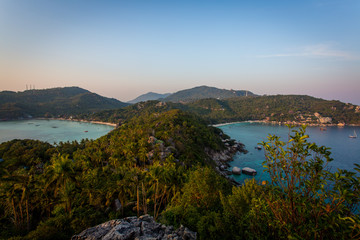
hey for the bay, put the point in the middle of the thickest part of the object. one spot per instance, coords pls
(345, 151)
(51, 131)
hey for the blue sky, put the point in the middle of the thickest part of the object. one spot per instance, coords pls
(122, 49)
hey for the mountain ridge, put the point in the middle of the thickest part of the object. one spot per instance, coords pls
(203, 92)
(53, 102)
(149, 96)
(192, 94)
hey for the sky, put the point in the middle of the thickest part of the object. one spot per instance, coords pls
(122, 49)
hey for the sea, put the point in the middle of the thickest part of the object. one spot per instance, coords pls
(51, 131)
(344, 150)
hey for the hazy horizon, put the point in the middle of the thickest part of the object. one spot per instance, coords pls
(122, 49)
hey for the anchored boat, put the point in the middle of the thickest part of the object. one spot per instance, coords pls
(353, 136)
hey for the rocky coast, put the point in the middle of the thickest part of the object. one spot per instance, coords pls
(222, 158)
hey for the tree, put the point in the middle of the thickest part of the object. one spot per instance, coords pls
(307, 200)
(61, 175)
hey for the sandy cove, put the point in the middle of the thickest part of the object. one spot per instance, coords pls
(80, 120)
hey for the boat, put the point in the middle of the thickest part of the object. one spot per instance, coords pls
(322, 129)
(353, 136)
(258, 147)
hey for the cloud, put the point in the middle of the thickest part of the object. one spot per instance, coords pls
(316, 51)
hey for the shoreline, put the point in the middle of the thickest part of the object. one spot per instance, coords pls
(79, 120)
(229, 123)
(213, 125)
(284, 123)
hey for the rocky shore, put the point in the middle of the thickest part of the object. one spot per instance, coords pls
(144, 227)
(222, 158)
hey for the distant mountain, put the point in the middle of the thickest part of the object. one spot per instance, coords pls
(149, 96)
(203, 92)
(54, 102)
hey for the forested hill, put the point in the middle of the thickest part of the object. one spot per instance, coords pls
(202, 92)
(54, 102)
(53, 192)
(280, 108)
(149, 96)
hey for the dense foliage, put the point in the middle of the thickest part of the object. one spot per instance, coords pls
(54, 102)
(155, 163)
(52, 192)
(119, 116)
(307, 200)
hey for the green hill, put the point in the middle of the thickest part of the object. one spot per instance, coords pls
(54, 102)
(202, 92)
(57, 191)
(279, 108)
(149, 96)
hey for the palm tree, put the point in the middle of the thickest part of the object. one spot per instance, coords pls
(15, 192)
(61, 175)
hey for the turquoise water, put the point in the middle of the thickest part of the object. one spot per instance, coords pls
(51, 131)
(345, 150)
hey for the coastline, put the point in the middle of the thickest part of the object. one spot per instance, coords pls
(213, 125)
(80, 120)
(229, 123)
(289, 123)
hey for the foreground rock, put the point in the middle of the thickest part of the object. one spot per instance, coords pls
(140, 228)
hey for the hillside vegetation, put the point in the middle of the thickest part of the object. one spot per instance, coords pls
(212, 104)
(281, 108)
(149, 96)
(156, 164)
(202, 92)
(54, 102)
(53, 192)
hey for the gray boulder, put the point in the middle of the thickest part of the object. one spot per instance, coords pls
(236, 170)
(249, 171)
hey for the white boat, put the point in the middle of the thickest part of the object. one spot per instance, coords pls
(353, 136)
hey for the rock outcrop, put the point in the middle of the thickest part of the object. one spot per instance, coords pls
(140, 228)
(222, 158)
